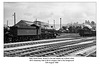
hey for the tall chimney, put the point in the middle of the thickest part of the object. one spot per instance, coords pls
(48, 22)
(7, 22)
(60, 23)
(14, 18)
(54, 24)
(36, 19)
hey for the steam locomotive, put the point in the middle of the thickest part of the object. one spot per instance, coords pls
(85, 31)
(27, 31)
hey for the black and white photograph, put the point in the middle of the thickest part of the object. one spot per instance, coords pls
(49, 29)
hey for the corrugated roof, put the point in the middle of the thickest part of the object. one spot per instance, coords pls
(40, 23)
(25, 24)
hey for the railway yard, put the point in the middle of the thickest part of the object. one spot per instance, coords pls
(65, 45)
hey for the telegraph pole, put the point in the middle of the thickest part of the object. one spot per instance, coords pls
(60, 23)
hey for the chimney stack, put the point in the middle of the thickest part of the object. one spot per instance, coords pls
(14, 18)
(60, 23)
(54, 24)
(7, 23)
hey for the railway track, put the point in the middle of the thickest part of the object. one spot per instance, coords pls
(61, 51)
(61, 47)
(93, 54)
(10, 45)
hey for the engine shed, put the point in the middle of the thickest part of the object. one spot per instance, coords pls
(25, 28)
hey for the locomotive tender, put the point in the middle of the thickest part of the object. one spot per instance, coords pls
(26, 31)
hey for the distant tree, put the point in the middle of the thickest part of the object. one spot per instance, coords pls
(64, 27)
(87, 22)
(77, 29)
(74, 29)
(92, 22)
(70, 29)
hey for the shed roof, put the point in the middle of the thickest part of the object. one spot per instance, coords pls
(25, 24)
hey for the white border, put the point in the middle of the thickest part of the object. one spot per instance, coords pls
(24, 62)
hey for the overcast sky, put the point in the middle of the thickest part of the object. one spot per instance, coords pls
(69, 12)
